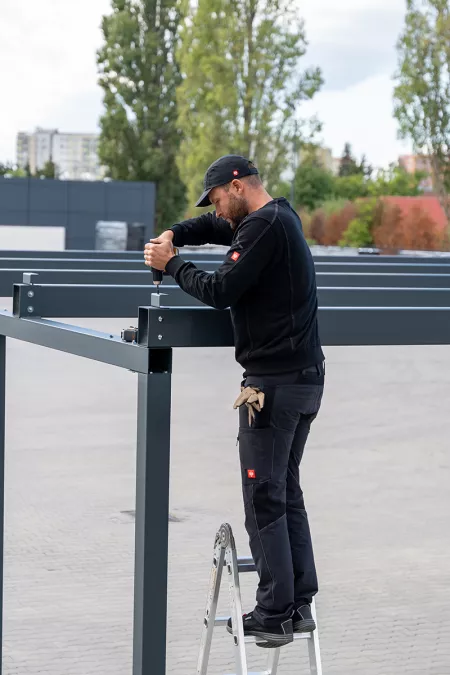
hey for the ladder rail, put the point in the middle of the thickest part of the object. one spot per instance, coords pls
(315, 661)
(234, 589)
(211, 608)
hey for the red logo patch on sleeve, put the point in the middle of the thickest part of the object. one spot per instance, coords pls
(251, 473)
(235, 256)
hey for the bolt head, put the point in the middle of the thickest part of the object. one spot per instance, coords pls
(30, 309)
(160, 337)
(30, 294)
(160, 319)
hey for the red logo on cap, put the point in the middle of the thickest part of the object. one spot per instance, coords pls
(235, 256)
(251, 473)
(235, 172)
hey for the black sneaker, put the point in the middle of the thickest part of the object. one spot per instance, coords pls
(303, 620)
(269, 638)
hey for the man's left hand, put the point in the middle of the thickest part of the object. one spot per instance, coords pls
(157, 255)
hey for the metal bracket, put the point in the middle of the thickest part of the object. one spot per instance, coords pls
(156, 299)
(25, 297)
(29, 277)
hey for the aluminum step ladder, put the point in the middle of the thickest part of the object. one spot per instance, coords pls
(225, 556)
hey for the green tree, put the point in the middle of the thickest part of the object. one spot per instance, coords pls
(422, 94)
(351, 186)
(242, 85)
(12, 171)
(139, 75)
(48, 171)
(396, 181)
(313, 186)
(5, 168)
(349, 165)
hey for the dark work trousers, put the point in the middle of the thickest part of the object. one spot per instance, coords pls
(271, 449)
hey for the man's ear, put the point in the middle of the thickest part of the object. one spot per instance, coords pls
(238, 185)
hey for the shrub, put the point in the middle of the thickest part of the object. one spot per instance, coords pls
(359, 231)
(317, 226)
(337, 224)
(414, 231)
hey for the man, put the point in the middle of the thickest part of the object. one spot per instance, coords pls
(268, 281)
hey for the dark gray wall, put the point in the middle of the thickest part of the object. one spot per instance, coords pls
(76, 205)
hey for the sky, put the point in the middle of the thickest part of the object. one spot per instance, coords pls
(48, 74)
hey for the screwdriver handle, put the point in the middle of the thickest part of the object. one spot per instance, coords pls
(157, 275)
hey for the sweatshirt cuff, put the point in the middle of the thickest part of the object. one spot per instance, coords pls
(174, 265)
(177, 235)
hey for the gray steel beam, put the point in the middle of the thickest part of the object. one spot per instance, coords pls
(384, 326)
(205, 327)
(91, 301)
(73, 263)
(10, 277)
(383, 297)
(137, 278)
(152, 519)
(71, 253)
(376, 259)
(84, 342)
(332, 267)
(185, 326)
(201, 254)
(2, 478)
(369, 280)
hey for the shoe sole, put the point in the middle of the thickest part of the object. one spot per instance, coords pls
(305, 626)
(268, 640)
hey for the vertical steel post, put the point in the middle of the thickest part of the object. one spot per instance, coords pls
(2, 478)
(152, 516)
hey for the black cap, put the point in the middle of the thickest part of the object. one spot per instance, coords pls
(223, 171)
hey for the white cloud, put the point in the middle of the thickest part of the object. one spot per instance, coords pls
(362, 116)
(47, 52)
(48, 75)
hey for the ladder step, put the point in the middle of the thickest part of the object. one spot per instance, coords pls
(223, 620)
(244, 565)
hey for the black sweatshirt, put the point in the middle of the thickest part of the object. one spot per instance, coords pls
(267, 279)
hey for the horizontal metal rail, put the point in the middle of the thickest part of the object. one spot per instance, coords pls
(205, 327)
(84, 342)
(74, 263)
(339, 326)
(97, 301)
(143, 278)
(201, 253)
(211, 264)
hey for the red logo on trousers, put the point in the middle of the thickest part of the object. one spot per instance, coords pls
(251, 473)
(235, 256)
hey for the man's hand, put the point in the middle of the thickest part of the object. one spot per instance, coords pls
(167, 235)
(159, 251)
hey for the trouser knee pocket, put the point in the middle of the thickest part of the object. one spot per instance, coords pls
(256, 448)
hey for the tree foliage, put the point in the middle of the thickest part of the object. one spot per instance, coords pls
(422, 94)
(49, 171)
(348, 165)
(313, 185)
(139, 75)
(242, 85)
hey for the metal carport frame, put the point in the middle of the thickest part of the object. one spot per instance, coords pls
(159, 330)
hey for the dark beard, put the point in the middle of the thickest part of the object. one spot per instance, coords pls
(238, 211)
